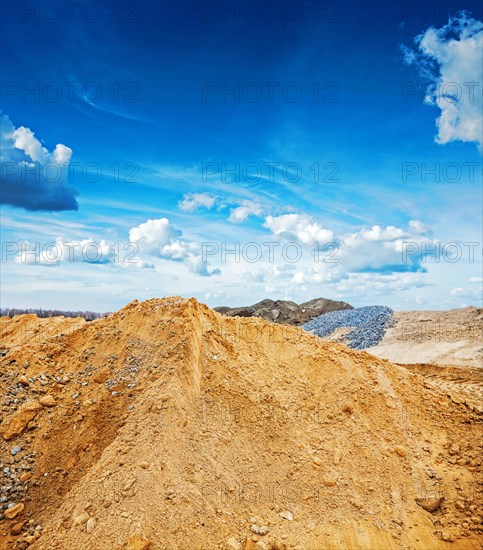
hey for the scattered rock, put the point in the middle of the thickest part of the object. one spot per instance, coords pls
(337, 456)
(81, 518)
(329, 480)
(286, 515)
(401, 451)
(101, 376)
(18, 421)
(47, 401)
(429, 504)
(447, 536)
(15, 450)
(17, 528)
(90, 525)
(259, 530)
(129, 483)
(14, 511)
(138, 542)
(233, 544)
(454, 449)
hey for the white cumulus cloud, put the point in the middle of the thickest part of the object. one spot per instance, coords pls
(33, 177)
(383, 247)
(298, 227)
(241, 213)
(153, 235)
(159, 238)
(194, 201)
(452, 57)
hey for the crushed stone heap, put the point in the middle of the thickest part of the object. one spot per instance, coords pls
(169, 426)
(363, 327)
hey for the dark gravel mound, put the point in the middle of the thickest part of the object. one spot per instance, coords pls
(370, 324)
(283, 311)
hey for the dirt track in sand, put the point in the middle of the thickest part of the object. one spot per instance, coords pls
(172, 424)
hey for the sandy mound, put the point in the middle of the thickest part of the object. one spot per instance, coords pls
(453, 337)
(23, 329)
(167, 425)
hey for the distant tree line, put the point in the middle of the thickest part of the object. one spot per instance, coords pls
(44, 313)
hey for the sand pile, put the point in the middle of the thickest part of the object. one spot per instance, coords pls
(167, 425)
(24, 329)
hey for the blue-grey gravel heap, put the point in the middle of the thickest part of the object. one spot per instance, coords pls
(370, 324)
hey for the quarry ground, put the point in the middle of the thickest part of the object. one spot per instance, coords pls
(169, 426)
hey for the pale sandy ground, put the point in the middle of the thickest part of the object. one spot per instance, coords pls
(446, 347)
(452, 338)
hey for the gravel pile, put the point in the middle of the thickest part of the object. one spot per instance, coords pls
(370, 324)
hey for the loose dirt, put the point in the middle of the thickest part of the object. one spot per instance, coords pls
(167, 425)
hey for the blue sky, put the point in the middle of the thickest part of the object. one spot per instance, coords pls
(152, 137)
